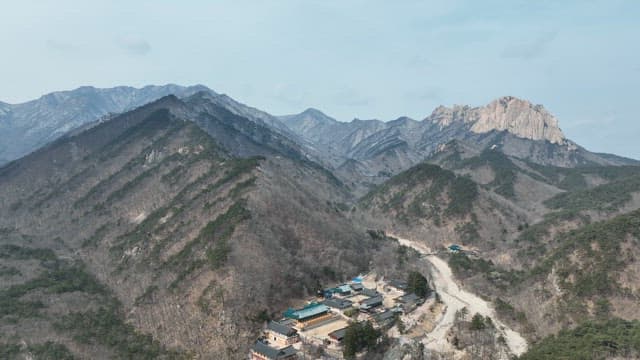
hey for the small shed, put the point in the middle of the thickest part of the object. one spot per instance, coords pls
(338, 335)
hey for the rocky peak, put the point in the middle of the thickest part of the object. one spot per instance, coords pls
(403, 121)
(316, 116)
(307, 120)
(445, 116)
(517, 116)
(313, 112)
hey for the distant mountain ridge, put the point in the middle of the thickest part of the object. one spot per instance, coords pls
(374, 149)
(30, 125)
(360, 152)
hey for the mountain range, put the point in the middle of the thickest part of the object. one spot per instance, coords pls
(30, 125)
(173, 221)
(370, 149)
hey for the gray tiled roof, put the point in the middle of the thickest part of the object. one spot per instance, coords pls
(408, 298)
(281, 329)
(370, 292)
(338, 334)
(338, 303)
(273, 353)
(399, 284)
(387, 315)
(372, 301)
(357, 287)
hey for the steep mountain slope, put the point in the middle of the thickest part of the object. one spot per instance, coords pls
(188, 239)
(592, 272)
(174, 230)
(528, 192)
(4, 108)
(329, 134)
(536, 236)
(614, 339)
(439, 207)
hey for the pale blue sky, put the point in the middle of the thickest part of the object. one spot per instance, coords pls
(349, 58)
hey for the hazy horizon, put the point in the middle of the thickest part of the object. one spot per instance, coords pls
(358, 59)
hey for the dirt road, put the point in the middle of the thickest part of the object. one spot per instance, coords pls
(455, 299)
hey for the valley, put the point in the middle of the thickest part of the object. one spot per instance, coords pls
(185, 227)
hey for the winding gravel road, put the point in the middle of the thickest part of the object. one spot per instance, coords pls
(455, 299)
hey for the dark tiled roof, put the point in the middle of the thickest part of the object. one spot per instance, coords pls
(338, 303)
(372, 301)
(273, 353)
(357, 287)
(338, 334)
(398, 284)
(369, 292)
(409, 298)
(281, 329)
(382, 317)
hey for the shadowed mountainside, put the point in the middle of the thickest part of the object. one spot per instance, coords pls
(189, 237)
(541, 237)
(176, 229)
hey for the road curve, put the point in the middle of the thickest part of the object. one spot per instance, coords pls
(455, 299)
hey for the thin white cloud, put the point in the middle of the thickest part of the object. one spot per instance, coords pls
(531, 48)
(133, 45)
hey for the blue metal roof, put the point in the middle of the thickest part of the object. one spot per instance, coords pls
(310, 310)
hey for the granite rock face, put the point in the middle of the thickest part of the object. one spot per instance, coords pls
(516, 116)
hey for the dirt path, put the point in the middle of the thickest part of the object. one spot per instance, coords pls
(455, 299)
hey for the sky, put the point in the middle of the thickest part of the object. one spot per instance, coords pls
(349, 58)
